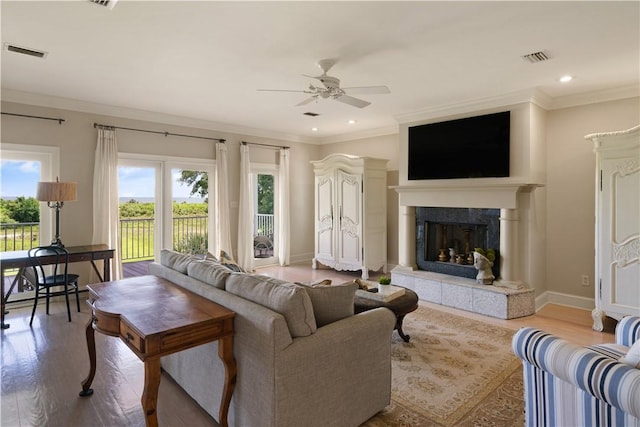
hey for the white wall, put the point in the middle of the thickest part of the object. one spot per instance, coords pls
(571, 189)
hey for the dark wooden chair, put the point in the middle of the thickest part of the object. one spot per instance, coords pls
(49, 272)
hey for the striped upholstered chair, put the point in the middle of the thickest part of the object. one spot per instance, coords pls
(570, 385)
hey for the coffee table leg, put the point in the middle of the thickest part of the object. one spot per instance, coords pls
(399, 320)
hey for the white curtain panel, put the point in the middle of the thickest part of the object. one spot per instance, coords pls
(283, 209)
(106, 219)
(245, 216)
(223, 224)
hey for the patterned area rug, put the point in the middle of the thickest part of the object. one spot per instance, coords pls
(454, 372)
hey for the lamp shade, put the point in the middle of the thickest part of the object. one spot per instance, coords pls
(57, 191)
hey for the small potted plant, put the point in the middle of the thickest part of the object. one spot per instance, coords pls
(384, 280)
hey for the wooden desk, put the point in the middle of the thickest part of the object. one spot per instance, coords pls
(154, 318)
(20, 260)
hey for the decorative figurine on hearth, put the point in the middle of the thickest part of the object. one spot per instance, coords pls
(483, 264)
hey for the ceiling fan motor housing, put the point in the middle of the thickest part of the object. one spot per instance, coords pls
(329, 81)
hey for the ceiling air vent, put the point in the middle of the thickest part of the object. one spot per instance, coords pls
(310, 114)
(536, 57)
(110, 4)
(24, 50)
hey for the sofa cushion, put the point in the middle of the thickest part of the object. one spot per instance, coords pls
(291, 301)
(331, 303)
(175, 260)
(632, 358)
(210, 272)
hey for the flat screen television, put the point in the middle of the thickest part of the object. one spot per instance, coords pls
(473, 147)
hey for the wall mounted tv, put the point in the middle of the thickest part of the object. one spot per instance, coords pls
(473, 147)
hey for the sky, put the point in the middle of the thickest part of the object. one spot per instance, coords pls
(20, 178)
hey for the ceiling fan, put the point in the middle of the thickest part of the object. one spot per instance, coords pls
(332, 88)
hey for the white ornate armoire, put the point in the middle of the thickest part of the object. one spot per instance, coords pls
(617, 224)
(350, 213)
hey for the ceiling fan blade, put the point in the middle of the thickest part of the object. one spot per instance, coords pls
(306, 101)
(367, 90)
(282, 90)
(352, 101)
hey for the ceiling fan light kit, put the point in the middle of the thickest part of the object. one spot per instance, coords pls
(332, 89)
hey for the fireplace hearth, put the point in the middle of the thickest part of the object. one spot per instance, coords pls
(446, 238)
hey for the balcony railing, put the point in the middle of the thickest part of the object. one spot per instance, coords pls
(190, 235)
(263, 225)
(19, 236)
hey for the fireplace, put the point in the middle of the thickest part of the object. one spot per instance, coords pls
(447, 237)
(518, 238)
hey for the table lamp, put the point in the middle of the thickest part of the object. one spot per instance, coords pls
(55, 194)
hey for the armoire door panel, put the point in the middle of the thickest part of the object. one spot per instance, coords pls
(325, 242)
(350, 223)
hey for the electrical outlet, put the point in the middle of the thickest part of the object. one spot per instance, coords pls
(585, 280)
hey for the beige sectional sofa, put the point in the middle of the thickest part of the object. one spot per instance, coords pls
(303, 357)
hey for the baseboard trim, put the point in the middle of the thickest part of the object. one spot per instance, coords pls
(549, 297)
(301, 259)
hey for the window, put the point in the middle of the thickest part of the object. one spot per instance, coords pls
(25, 222)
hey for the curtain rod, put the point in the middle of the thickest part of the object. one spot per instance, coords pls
(99, 126)
(266, 145)
(60, 121)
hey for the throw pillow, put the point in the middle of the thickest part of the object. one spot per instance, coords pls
(230, 263)
(331, 303)
(632, 358)
(291, 301)
(209, 257)
(210, 272)
(175, 260)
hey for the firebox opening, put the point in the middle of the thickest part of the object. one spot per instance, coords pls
(447, 237)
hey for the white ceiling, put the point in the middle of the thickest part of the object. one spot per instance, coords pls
(204, 60)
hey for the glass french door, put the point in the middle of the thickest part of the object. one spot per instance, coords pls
(164, 203)
(265, 200)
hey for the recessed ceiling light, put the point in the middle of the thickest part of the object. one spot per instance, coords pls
(314, 129)
(351, 122)
(565, 79)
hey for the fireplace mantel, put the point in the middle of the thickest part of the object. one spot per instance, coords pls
(503, 194)
(482, 193)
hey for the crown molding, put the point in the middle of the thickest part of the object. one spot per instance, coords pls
(594, 97)
(369, 133)
(472, 105)
(40, 100)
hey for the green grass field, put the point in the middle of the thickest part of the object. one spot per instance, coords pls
(137, 236)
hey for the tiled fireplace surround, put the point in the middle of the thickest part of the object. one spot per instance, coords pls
(510, 296)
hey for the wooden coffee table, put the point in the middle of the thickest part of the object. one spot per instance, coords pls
(401, 306)
(155, 317)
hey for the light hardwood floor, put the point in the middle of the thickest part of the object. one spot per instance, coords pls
(42, 367)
